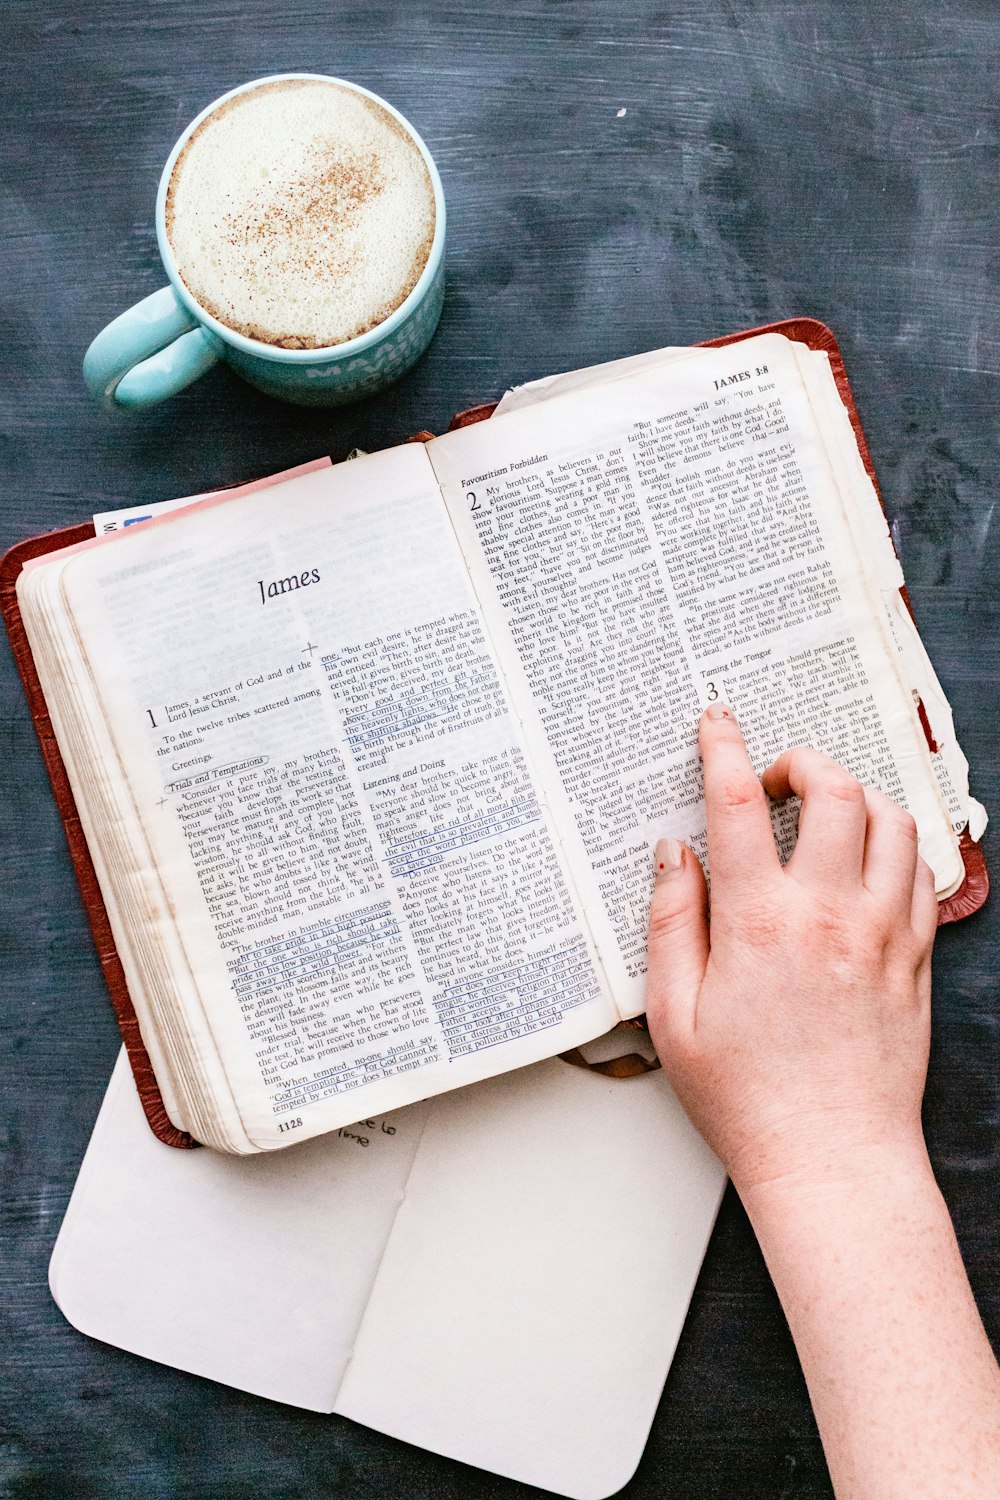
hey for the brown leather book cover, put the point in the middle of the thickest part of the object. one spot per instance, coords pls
(968, 898)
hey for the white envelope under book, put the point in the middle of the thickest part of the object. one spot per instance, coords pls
(499, 1274)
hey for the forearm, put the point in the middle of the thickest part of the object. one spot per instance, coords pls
(904, 1384)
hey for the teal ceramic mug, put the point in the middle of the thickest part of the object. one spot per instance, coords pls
(168, 340)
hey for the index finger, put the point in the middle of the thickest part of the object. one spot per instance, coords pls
(741, 848)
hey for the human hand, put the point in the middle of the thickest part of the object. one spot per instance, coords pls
(795, 1031)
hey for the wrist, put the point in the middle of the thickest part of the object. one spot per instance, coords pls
(840, 1188)
(815, 1151)
(870, 1276)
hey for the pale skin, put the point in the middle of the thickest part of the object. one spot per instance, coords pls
(795, 1032)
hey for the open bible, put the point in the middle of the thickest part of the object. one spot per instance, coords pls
(370, 762)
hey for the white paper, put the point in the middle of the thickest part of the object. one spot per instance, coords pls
(537, 1277)
(497, 1331)
(253, 1271)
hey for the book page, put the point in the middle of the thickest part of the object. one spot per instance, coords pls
(548, 386)
(108, 521)
(666, 540)
(336, 797)
(865, 514)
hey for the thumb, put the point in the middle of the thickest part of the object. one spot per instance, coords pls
(678, 941)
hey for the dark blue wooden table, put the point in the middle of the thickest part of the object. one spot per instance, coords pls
(619, 176)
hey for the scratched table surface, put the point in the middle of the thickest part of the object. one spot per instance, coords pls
(619, 176)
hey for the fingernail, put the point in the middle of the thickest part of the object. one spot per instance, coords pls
(669, 856)
(719, 711)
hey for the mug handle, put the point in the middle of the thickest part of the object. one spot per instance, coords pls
(150, 352)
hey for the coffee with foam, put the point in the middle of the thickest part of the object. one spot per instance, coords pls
(300, 213)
